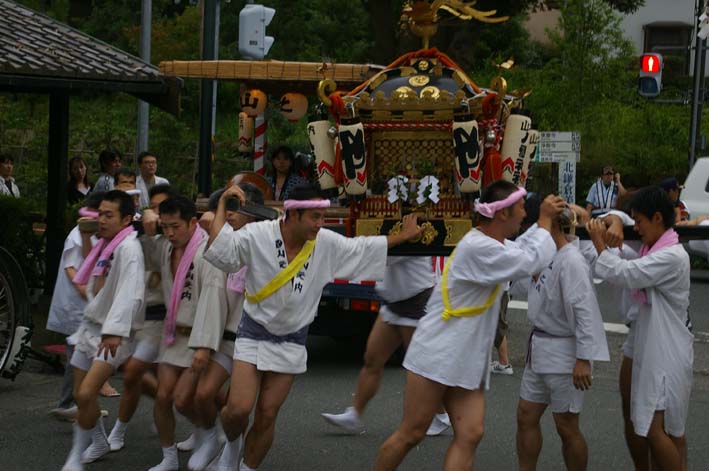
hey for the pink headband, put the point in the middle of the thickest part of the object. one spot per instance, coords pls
(88, 213)
(489, 209)
(305, 204)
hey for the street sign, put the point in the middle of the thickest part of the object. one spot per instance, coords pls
(567, 180)
(559, 146)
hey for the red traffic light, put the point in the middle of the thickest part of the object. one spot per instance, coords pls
(651, 63)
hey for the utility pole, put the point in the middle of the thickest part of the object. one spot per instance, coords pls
(208, 95)
(695, 126)
(141, 143)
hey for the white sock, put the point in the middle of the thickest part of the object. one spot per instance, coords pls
(209, 433)
(230, 454)
(244, 467)
(169, 460)
(80, 442)
(119, 427)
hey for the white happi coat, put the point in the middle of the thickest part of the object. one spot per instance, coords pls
(663, 351)
(118, 305)
(67, 306)
(562, 302)
(204, 290)
(406, 277)
(294, 306)
(457, 352)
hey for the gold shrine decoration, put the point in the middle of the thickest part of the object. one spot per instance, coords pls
(427, 237)
(422, 19)
(455, 229)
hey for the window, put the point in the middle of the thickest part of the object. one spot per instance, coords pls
(673, 40)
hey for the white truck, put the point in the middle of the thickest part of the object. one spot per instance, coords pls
(696, 189)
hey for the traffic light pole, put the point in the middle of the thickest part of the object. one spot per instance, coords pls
(210, 30)
(698, 90)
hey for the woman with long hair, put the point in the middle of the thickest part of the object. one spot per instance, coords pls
(283, 175)
(78, 185)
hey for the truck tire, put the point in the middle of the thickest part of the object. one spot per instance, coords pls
(15, 318)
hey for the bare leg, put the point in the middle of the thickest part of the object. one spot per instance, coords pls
(149, 386)
(467, 413)
(164, 416)
(133, 371)
(184, 394)
(681, 444)
(529, 433)
(205, 399)
(383, 341)
(502, 353)
(421, 399)
(245, 384)
(664, 452)
(573, 445)
(87, 397)
(637, 445)
(274, 391)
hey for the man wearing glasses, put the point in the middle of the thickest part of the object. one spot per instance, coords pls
(604, 193)
(147, 179)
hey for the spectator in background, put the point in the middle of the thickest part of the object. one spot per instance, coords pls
(673, 190)
(148, 165)
(124, 180)
(110, 162)
(7, 185)
(78, 186)
(603, 194)
(283, 176)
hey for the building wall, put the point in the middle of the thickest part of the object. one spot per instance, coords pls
(653, 11)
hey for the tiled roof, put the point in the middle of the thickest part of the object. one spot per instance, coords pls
(34, 44)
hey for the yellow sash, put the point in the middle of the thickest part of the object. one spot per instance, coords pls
(283, 276)
(463, 311)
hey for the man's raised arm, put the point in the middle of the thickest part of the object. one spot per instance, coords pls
(220, 216)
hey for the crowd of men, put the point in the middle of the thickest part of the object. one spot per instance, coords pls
(211, 321)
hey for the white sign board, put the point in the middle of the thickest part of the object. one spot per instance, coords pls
(567, 180)
(559, 146)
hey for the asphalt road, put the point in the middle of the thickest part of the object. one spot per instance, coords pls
(30, 440)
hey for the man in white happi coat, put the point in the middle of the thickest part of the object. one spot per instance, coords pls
(190, 285)
(114, 276)
(662, 344)
(449, 356)
(567, 336)
(407, 286)
(289, 262)
(137, 378)
(222, 326)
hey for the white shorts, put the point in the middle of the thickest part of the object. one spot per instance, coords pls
(147, 342)
(88, 339)
(629, 342)
(286, 357)
(178, 354)
(556, 390)
(395, 319)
